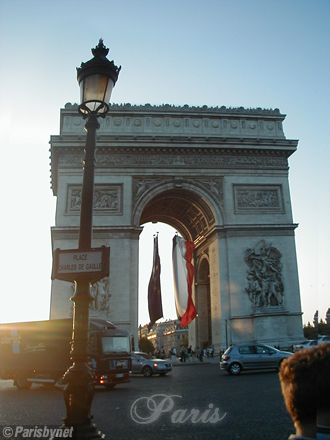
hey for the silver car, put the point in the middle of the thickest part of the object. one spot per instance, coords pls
(251, 357)
(141, 363)
(305, 344)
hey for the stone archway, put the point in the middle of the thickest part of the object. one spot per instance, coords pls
(184, 207)
(220, 177)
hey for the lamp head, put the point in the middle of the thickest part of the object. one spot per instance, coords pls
(96, 78)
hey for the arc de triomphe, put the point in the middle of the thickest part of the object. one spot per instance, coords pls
(219, 176)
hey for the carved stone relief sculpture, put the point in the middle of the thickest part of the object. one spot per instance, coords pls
(257, 198)
(100, 291)
(264, 276)
(101, 294)
(107, 199)
(140, 186)
(215, 186)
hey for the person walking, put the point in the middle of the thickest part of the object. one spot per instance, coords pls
(189, 353)
(183, 353)
(173, 354)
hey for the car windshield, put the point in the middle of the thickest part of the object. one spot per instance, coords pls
(115, 344)
(144, 355)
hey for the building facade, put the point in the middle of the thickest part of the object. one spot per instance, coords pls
(166, 335)
(219, 176)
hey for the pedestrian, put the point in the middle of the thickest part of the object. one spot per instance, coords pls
(173, 354)
(189, 353)
(211, 351)
(183, 353)
(199, 354)
(305, 383)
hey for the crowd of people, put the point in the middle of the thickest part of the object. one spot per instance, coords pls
(188, 354)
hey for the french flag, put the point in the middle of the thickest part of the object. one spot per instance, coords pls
(183, 274)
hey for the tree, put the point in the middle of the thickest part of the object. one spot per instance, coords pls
(324, 329)
(146, 346)
(310, 332)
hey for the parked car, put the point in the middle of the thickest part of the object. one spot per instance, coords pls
(304, 344)
(325, 338)
(141, 363)
(251, 357)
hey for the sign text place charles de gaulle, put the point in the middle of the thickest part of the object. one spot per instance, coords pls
(74, 264)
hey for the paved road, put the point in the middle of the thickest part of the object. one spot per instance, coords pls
(249, 406)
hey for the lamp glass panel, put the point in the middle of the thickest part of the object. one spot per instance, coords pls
(95, 89)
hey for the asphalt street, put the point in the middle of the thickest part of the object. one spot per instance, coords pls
(195, 401)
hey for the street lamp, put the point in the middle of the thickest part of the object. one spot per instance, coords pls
(96, 78)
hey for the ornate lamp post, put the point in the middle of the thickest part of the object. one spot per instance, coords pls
(97, 78)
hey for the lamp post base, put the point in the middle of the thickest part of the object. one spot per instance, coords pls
(78, 396)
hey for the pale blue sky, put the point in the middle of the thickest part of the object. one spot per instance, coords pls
(269, 54)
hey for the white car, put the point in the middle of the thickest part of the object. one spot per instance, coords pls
(325, 338)
(305, 344)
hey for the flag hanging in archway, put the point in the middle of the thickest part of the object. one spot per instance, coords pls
(183, 274)
(154, 291)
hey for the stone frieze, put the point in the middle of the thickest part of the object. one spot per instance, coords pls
(174, 160)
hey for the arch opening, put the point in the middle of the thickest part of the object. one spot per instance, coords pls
(184, 210)
(166, 233)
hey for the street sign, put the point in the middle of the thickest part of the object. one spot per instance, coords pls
(74, 264)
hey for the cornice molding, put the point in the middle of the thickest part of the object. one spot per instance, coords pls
(127, 107)
(166, 120)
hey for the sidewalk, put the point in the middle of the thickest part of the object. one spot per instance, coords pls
(194, 361)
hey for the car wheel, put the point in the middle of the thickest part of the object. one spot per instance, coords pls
(235, 369)
(21, 381)
(147, 371)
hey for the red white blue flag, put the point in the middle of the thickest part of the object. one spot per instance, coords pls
(183, 274)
